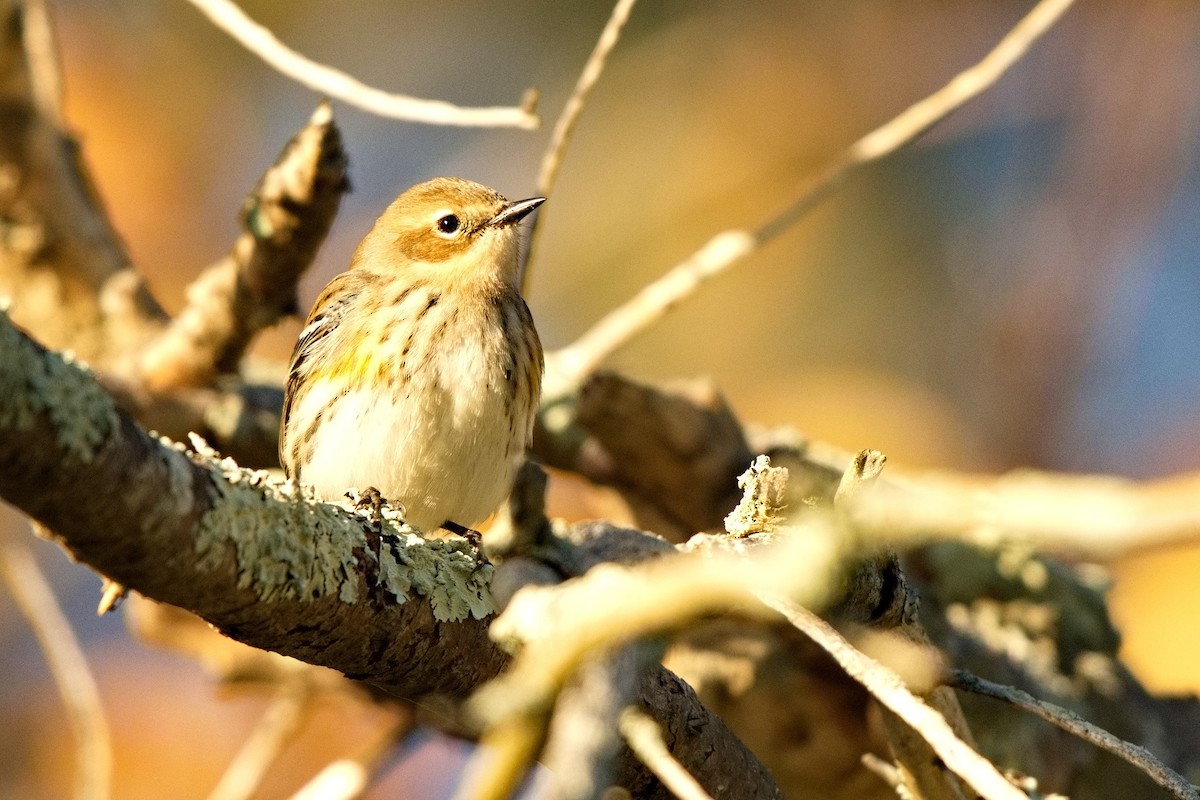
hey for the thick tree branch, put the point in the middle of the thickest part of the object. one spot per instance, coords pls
(255, 558)
(273, 568)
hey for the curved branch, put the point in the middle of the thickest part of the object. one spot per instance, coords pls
(564, 127)
(63, 264)
(260, 41)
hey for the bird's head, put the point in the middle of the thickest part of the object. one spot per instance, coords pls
(453, 228)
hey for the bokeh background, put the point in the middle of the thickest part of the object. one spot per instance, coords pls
(1021, 288)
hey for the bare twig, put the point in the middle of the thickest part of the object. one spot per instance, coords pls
(862, 472)
(284, 219)
(565, 126)
(887, 772)
(277, 727)
(888, 688)
(348, 778)
(260, 41)
(725, 249)
(1098, 516)
(502, 760)
(45, 76)
(93, 746)
(1072, 723)
(645, 738)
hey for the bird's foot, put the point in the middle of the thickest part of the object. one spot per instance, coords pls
(473, 537)
(369, 499)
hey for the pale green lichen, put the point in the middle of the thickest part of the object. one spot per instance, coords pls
(287, 544)
(34, 382)
(763, 491)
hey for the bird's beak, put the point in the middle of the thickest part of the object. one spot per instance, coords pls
(513, 213)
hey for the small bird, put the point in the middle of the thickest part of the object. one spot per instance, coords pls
(418, 373)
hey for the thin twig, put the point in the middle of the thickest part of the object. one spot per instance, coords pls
(93, 745)
(277, 727)
(45, 75)
(886, 771)
(227, 16)
(564, 127)
(646, 741)
(888, 688)
(502, 759)
(348, 778)
(1073, 724)
(725, 249)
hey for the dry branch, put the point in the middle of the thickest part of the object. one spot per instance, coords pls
(583, 744)
(564, 127)
(275, 569)
(1097, 516)
(64, 268)
(93, 743)
(1070, 722)
(285, 220)
(261, 562)
(572, 363)
(674, 452)
(889, 689)
(326, 80)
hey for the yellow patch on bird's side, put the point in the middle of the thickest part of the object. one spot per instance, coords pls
(354, 364)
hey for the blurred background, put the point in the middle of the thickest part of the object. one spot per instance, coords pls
(1021, 288)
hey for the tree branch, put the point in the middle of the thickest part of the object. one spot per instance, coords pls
(256, 558)
(273, 568)
(564, 127)
(572, 363)
(887, 687)
(1070, 722)
(76, 685)
(318, 77)
(64, 266)
(285, 220)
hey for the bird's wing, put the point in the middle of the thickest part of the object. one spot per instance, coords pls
(313, 350)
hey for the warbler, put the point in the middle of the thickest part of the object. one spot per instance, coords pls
(419, 370)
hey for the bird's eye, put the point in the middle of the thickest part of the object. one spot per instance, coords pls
(448, 224)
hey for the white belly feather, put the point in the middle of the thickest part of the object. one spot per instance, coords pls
(446, 451)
